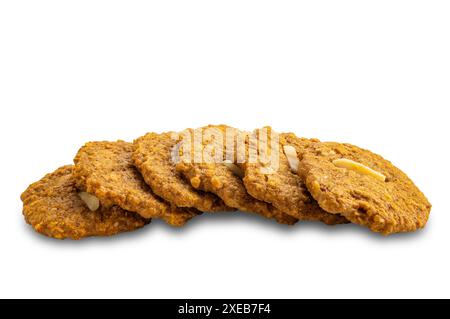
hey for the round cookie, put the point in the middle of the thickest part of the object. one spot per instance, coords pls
(105, 169)
(53, 207)
(153, 157)
(364, 187)
(223, 179)
(281, 186)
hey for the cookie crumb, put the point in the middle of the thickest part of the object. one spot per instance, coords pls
(195, 182)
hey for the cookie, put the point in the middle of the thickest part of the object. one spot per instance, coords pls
(278, 182)
(364, 187)
(106, 170)
(223, 177)
(53, 207)
(153, 158)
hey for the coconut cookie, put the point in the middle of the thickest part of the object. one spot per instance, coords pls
(277, 182)
(54, 207)
(154, 157)
(364, 187)
(105, 169)
(222, 176)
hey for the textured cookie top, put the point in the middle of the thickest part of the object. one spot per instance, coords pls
(53, 207)
(223, 178)
(153, 157)
(363, 187)
(106, 170)
(279, 184)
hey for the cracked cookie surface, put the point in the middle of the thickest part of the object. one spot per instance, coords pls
(106, 170)
(53, 208)
(364, 187)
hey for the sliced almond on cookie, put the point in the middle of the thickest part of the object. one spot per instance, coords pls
(292, 158)
(90, 200)
(359, 168)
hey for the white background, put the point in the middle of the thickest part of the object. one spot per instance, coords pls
(373, 73)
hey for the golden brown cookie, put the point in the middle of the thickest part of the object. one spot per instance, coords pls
(278, 183)
(153, 158)
(222, 177)
(364, 187)
(105, 169)
(54, 208)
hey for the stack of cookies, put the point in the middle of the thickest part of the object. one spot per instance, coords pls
(118, 186)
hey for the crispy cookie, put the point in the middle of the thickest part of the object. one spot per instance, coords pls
(105, 169)
(375, 194)
(153, 158)
(222, 178)
(281, 186)
(52, 206)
